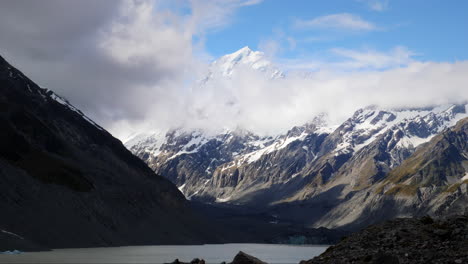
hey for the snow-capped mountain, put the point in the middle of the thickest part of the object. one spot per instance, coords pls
(244, 59)
(318, 163)
(431, 181)
(189, 158)
(322, 157)
(230, 165)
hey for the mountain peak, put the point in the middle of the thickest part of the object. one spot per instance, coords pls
(244, 57)
(243, 51)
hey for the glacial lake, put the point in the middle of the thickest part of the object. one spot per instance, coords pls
(159, 254)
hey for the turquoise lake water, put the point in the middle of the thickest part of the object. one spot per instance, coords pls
(159, 254)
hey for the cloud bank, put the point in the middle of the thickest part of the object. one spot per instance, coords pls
(342, 21)
(252, 101)
(132, 66)
(376, 5)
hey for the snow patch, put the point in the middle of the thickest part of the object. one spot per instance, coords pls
(10, 233)
(280, 144)
(223, 200)
(65, 102)
(464, 178)
(181, 188)
(413, 141)
(326, 129)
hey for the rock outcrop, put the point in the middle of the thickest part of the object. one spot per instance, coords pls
(244, 258)
(240, 258)
(401, 241)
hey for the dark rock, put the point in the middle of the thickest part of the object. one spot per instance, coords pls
(194, 261)
(176, 261)
(384, 258)
(243, 258)
(427, 220)
(197, 261)
(403, 241)
(442, 232)
(10, 241)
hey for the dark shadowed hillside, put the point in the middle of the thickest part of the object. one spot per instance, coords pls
(66, 182)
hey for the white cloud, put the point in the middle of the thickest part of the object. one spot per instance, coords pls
(130, 65)
(214, 14)
(125, 63)
(376, 5)
(251, 101)
(371, 59)
(347, 60)
(337, 21)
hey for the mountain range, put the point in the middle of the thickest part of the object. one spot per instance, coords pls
(67, 182)
(378, 164)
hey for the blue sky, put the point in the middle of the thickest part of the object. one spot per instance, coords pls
(431, 30)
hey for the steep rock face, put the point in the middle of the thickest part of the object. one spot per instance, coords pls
(431, 181)
(305, 162)
(66, 182)
(442, 161)
(269, 173)
(189, 159)
(314, 159)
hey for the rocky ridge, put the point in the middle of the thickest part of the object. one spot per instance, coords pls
(326, 169)
(400, 241)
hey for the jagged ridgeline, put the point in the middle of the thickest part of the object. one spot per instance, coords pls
(322, 174)
(66, 182)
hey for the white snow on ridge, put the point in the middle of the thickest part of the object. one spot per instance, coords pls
(282, 143)
(261, 143)
(412, 141)
(11, 233)
(181, 188)
(443, 114)
(464, 178)
(364, 124)
(223, 200)
(196, 142)
(326, 129)
(64, 102)
(149, 143)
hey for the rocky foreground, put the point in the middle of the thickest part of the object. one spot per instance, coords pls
(421, 240)
(240, 258)
(398, 241)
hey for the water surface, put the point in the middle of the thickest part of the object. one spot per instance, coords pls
(159, 254)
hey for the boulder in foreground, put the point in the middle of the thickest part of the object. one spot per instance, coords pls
(244, 258)
(240, 258)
